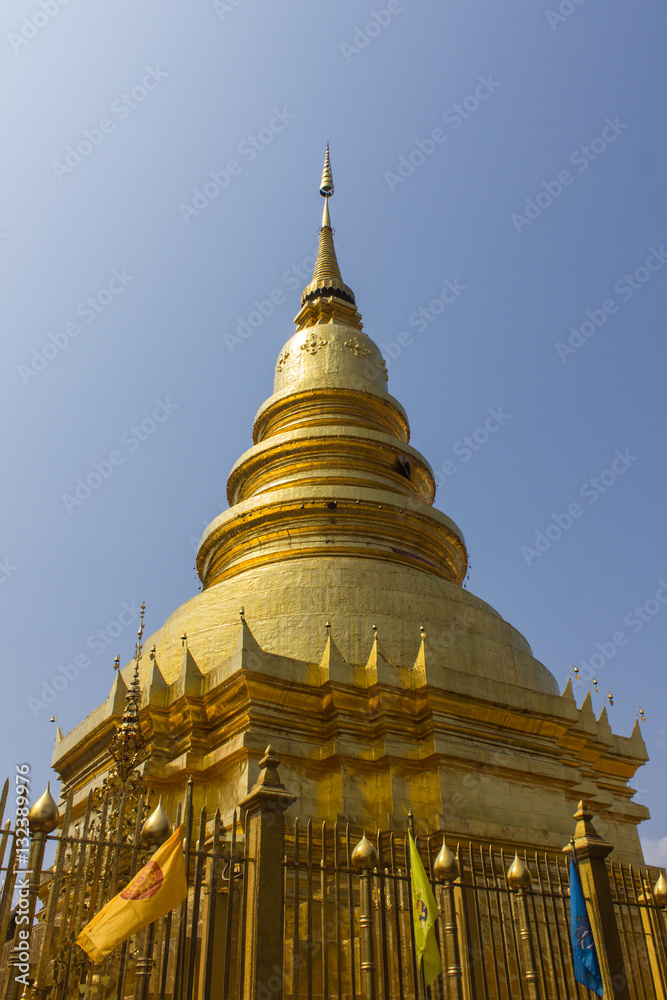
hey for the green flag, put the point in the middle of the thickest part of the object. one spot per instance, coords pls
(424, 915)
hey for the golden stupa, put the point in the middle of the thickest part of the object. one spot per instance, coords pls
(333, 625)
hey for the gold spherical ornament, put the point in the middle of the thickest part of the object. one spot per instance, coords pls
(446, 866)
(660, 891)
(364, 856)
(157, 827)
(518, 876)
(44, 816)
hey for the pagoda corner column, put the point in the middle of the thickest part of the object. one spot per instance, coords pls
(591, 852)
(264, 809)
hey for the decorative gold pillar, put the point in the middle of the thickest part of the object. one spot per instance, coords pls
(519, 879)
(154, 832)
(264, 810)
(591, 852)
(655, 930)
(365, 858)
(42, 820)
(446, 869)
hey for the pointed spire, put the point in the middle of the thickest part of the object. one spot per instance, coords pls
(327, 184)
(327, 296)
(326, 266)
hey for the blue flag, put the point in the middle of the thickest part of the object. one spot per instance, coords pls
(584, 955)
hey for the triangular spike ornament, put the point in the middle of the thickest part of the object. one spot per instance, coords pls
(333, 663)
(568, 691)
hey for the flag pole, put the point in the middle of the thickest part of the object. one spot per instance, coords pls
(408, 867)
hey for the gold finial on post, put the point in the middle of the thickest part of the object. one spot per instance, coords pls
(445, 867)
(43, 816)
(640, 714)
(518, 876)
(660, 891)
(609, 697)
(156, 828)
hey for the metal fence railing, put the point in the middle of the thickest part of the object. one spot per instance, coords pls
(347, 926)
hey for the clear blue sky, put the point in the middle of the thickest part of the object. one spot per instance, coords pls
(531, 148)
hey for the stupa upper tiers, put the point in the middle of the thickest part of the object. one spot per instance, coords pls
(332, 624)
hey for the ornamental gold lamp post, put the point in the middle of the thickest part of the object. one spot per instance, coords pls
(43, 819)
(655, 932)
(154, 832)
(365, 858)
(519, 880)
(264, 809)
(446, 869)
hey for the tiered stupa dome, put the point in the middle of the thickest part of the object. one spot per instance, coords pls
(333, 624)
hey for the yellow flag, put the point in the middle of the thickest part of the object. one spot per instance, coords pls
(424, 915)
(159, 887)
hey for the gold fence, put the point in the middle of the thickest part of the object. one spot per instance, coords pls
(323, 908)
(306, 910)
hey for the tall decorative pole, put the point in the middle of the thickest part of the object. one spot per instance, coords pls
(43, 819)
(519, 880)
(154, 832)
(365, 858)
(446, 869)
(591, 854)
(265, 810)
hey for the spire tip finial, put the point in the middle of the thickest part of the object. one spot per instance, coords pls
(326, 184)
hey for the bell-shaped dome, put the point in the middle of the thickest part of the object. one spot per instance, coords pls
(331, 355)
(331, 441)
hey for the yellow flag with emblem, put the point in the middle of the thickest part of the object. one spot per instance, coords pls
(424, 915)
(159, 887)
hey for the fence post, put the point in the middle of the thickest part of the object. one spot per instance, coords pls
(43, 818)
(365, 858)
(591, 852)
(155, 831)
(519, 879)
(264, 809)
(446, 869)
(654, 899)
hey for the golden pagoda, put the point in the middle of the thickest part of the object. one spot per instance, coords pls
(333, 625)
